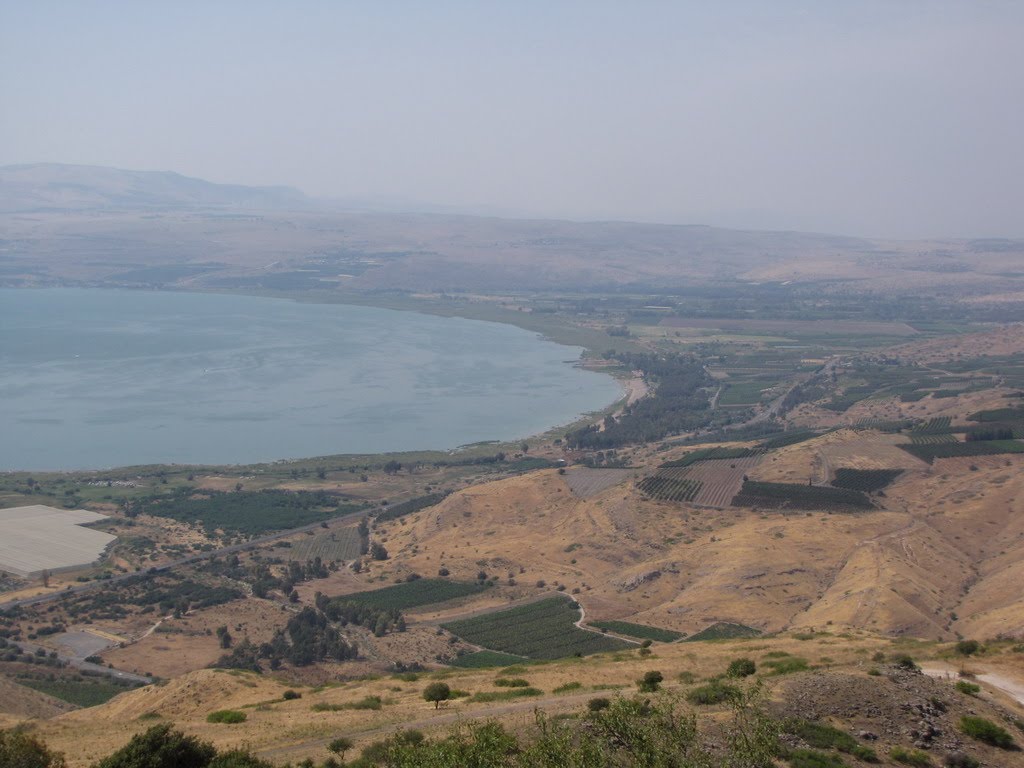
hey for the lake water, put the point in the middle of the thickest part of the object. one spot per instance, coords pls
(99, 378)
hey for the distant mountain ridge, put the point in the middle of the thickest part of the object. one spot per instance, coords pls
(59, 187)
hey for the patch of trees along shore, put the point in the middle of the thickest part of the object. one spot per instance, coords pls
(680, 403)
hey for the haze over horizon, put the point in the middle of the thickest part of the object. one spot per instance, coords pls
(879, 119)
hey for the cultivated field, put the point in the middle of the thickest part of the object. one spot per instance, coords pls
(708, 483)
(337, 544)
(585, 483)
(38, 538)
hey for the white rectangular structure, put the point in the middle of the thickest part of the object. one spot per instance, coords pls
(39, 538)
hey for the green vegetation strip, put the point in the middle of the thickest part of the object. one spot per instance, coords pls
(244, 512)
(542, 630)
(396, 511)
(724, 630)
(703, 454)
(413, 594)
(798, 496)
(670, 488)
(930, 453)
(866, 480)
(485, 659)
(81, 693)
(641, 631)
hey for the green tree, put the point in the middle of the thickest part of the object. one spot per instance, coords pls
(238, 758)
(340, 746)
(19, 749)
(741, 668)
(650, 682)
(161, 747)
(437, 692)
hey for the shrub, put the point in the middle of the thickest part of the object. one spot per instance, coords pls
(229, 716)
(598, 703)
(650, 682)
(823, 736)
(986, 731)
(787, 665)
(741, 668)
(712, 693)
(914, 757)
(18, 748)
(971, 689)
(903, 661)
(437, 692)
(160, 747)
(960, 760)
(566, 687)
(968, 647)
(812, 758)
(291, 695)
(511, 682)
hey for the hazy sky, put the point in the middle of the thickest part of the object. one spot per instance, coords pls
(894, 118)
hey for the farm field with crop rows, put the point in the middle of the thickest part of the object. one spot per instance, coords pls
(338, 544)
(413, 594)
(585, 483)
(797, 496)
(542, 630)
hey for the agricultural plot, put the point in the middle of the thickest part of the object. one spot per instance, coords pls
(39, 538)
(338, 544)
(795, 496)
(788, 438)
(930, 453)
(413, 594)
(639, 631)
(865, 480)
(661, 486)
(717, 480)
(245, 512)
(404, 508)
(485, 659)
(724, 630)
(932, 439)
(934, 426)
(998, 414)
(585, 483)
(542, 630)
(741, 393)
(703, 454)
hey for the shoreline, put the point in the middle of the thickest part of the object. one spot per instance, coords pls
(630, 389)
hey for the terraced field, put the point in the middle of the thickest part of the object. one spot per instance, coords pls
(413, 594)
(585, 483)
(711, 482)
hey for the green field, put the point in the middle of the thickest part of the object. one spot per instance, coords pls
(246, 512)
(542, 630)
(669, 488)
(743, 392)
(724, 630)
(413, 594)
(640, 631)
(930, 453)
(337, 544)
(485, 659)
(81, 693)
(798, 496)
(703, 454)
(866, 480)
(404, 508)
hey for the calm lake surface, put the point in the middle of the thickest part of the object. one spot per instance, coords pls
(99, 378)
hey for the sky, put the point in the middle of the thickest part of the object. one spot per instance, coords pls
(900, 119)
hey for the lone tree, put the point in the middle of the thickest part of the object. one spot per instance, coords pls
(340, 746)
(437, 692)
(650, 682)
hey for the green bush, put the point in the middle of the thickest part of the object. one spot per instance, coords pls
(599, 703)
(741, 668)
(291, 695)
(913, 757)
(650, 682)
(986, 731)
(229, 716)
(823, 736)
(812, 758)
(514, 693)
(971, 689)
(787, 665)
(968, 647)
(961, 760)
(511, 682)
(572, 685)
(903, 661)
(712, 693)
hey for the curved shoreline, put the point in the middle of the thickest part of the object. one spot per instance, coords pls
(627, 392)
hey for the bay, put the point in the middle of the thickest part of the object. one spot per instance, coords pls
(93, 378)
